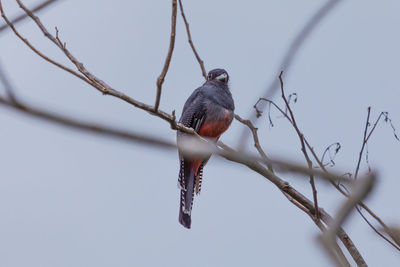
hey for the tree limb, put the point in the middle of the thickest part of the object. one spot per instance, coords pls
(201, 62)
(164, 71)
(303, 147)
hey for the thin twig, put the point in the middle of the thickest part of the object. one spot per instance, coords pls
(201, 63)
(160, 79)
(367, 124)
(256, 140)
(394, 233)
(303, 147)
(259, 112)
(376, 230)
(328, 151)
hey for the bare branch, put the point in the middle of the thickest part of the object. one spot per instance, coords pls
(394, 233)
(387, 119)
(21, 17)
(201, 63)
(365, 139)
(303, 147)
(164, 71)
(259, 112)
(367, 136)
(87, 76)
(257, 145)
(51, 116)
(384, 115)
(377, 232)
(328, 150)
(361, 189)
(255, 137)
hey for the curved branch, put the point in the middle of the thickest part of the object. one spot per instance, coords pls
(164, 71)
(303, 147)
(201, 62)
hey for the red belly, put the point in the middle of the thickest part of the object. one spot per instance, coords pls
(214, 129)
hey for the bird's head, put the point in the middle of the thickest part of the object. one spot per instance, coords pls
(219, 75)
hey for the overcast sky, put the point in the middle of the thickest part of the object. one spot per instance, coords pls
(73, 199)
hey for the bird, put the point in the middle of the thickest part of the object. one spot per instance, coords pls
(209, 111)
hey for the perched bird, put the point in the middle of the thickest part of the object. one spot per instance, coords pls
(209, 111)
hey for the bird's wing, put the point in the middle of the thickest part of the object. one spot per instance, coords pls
(193, 116)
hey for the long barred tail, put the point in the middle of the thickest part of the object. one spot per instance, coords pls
(184, 215)
(186, 200)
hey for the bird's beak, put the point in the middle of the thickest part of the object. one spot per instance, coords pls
(222, 77)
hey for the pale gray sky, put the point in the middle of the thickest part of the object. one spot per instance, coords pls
(73, 199)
